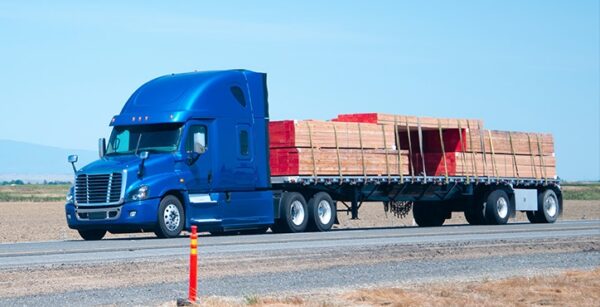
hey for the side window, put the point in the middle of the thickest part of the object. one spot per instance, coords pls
(200, 132)
(237, 92)
(244, 143)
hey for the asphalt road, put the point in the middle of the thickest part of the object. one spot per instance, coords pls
(386, 256)
(66, 252)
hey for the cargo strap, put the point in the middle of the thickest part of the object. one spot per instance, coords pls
(473, 155)
(532, 158)
(443, 149)
(410, 152)
(483, 151)
(362, 151)
(462, 151)
(312, 150)
(543, 165)
(387, 163)
(337, 152)
(493, 155)
(512, 149)
(397, 135)
(420, 133)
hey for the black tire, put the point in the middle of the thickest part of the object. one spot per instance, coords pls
(474, 213)
(293, 213)
(497, 208)
(171, 217)
(532, 217)
(321, 212)
(429, 214)
(548, 208)
(92, 234)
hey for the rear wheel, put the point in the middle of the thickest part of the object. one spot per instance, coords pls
(170, 217)
(293, 213)
(92, 235)
(548, 208)
(497, 208)
(429, 214)
(322, 212)
(474, 213)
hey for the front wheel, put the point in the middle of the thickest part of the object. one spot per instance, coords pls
(170, 217)
(92, 235)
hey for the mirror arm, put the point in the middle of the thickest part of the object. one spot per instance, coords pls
(192, 158)
(74, 168)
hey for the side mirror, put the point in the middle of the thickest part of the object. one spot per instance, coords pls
(143, 155)
(101, 147)
(199, 143)
(73, 159)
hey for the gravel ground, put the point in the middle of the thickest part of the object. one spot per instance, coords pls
(335, 278)
(27, 221)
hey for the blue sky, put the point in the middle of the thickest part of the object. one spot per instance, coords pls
(68, 66)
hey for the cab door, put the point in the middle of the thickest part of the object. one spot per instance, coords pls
(203, 205)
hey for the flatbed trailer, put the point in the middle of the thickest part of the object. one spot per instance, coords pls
(434, 198)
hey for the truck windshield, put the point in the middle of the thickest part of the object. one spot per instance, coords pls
(135, 139)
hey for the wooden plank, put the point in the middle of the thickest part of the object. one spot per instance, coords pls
(298, 161)
(424, 121)
(289, 133)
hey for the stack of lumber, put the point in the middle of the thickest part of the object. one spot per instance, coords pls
(436, 148)
(323, 148)
(412, 121)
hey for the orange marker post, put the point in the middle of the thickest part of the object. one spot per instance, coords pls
(193, 265)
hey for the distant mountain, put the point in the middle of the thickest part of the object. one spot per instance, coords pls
(38, 161)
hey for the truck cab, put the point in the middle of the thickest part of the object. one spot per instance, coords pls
(186, 149)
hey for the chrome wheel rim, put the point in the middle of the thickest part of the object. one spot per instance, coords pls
(324, 212)
(502, 207)
(551, 206)
(172, 217)
(297, 213)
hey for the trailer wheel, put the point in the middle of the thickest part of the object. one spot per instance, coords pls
(322, 212)
(429, 214)
(497, 208)
(548, 208)
(293, 213)
(170, 217)
(92, 235)
(474, 213)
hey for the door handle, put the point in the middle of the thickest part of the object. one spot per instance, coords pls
(209, 177)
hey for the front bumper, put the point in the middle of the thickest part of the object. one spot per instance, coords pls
(130, 216)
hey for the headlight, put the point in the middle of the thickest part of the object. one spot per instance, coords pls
(69, 197)
(140, 193)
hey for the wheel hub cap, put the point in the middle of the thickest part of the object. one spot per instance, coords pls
(172, 217)
(297, 213)
(502, 207)
(324, 211)
(550, 206)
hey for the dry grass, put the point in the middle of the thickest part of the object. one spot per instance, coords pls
(575, 288)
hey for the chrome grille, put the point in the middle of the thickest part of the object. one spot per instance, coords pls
(98, 188)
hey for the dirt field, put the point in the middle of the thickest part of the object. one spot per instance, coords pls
(42, 221)
(575, 288)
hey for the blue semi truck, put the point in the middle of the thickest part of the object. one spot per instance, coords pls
(193, 149)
